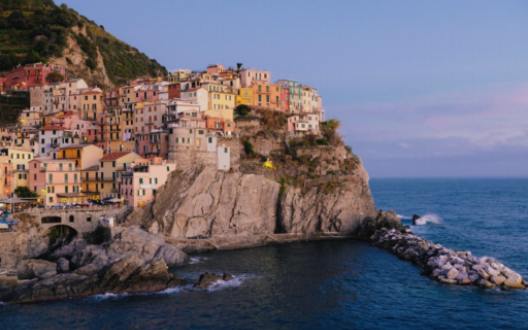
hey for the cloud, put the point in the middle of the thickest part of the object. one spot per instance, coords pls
(455, 124)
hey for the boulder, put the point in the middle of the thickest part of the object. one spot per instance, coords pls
(514, 281)
(32, 268)
(452, 274)
(486, 284)
(63, 265)
(499, 279)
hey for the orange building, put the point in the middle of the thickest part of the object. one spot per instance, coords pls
(267, 96)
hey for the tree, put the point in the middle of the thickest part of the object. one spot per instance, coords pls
(329, 130)
(242, 110)
(24, 192)
(17, 20)
(239, 66)
(54, 77)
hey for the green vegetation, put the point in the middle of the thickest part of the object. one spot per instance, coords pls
(32, 31)
(329, 131)
(37, 30)
(54, 77)
(11, 105)
(248, 148)
(242, 111)
(100, 235)
(24, 192)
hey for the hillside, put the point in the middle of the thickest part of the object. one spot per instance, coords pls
(40, 31)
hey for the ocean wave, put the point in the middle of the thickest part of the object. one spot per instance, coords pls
(109, 296)
(196, 260)
(431, 218)
(403, 217)
(174, 290)
(236, 281)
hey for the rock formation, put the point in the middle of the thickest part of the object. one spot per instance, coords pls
(132, 261)
(315, 187)
(438, 262)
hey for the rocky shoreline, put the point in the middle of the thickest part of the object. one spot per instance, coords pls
(135, 261)
(131, 261)
(436, 261)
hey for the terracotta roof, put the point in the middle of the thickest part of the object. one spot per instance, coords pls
(115, 155)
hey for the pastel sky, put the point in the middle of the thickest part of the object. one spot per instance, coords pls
(422, 87)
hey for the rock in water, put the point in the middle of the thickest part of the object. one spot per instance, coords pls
(206, 280)
(415, 218)
(440, 263)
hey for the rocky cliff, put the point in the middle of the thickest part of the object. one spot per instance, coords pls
(313, 189)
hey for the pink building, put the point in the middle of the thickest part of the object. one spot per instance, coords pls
(140, 184)
(54, 180)
(153, 144)
(30, 75)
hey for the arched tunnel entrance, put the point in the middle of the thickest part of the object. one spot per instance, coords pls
(60, 235)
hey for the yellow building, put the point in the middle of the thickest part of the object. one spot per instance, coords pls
(91, 104)
(19, 160)
(84, 155)
(110, 168)
(220, 101)
(90, 182)
(245, 96)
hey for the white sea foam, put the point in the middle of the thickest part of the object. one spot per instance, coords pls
(404, 217)
(196, 260)
(175, 290)
(109, 296)
(236, 281)
(429, 218)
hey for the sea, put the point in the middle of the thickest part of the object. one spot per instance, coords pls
(334, 284)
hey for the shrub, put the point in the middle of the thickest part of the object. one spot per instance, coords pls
(54, 77)
(329, 130)
(248, 148)
(24, 192)
(100, 235)
(242, 110)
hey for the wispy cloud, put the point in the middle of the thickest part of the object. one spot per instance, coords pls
(455, 124)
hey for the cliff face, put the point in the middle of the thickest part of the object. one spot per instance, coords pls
(321, 189)
(206, 203)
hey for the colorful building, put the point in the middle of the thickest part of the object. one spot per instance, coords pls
(55, 181)
(110, 168)
(84, 156)
(140, 184)
(30, 75)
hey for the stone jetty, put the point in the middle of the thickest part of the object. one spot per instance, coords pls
(438, 262)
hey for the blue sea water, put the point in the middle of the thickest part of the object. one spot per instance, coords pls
(335, 284)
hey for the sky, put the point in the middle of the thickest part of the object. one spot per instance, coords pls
(423, 88)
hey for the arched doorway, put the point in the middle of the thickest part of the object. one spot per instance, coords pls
(60, 235)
